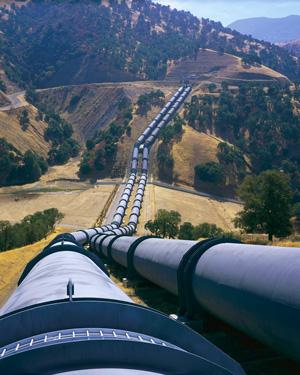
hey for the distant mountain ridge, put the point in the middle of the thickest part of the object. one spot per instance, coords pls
(273, 30)
(293, 47)
(52, 43)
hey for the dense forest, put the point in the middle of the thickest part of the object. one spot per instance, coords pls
(261, 125)
(49, 43)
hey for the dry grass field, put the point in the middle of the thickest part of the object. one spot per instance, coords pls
(213, 66)
(14, 261)
(98, 104)
(80, 207)
(31, 139)
(193, 208)
(68, 171)
(194, 148)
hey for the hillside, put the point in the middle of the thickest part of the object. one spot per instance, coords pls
(293, 47)
(95, 105)
(209, 65)
(89, 111)
(31, 139)
(274, 30)
(104, 41)
(232, 131)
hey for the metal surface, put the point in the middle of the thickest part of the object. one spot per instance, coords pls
(255, 289)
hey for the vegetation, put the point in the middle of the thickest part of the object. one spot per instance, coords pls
(58, 133)
(3, 86)
(88, 42)
(205, 230)
(210, 172)
(267, 204)
(19, 169)
(165, 161)
(165, 224)
(31, 229)
(24, 120)
(296, 211)
(260, 123)
(146, 101)
(101, 151)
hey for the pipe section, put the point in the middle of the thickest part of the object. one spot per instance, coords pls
(67, 316)
(144, 143)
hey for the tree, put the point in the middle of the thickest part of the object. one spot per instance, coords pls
(31, 229)
(24, 119)
(5, 226)
(186, 231)
(206, 230)
(210, 172)
(267, 204)
(166, 224)
(84, 168)
(31, 169)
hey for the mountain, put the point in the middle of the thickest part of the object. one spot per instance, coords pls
(274, 30)
(52, 43)
(293, 47)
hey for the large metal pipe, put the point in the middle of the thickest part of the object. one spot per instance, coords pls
(158, 260)
(67, 315)
(255, 289)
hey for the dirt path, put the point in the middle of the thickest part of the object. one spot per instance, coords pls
(17, 100)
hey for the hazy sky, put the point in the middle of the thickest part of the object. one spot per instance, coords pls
(228, 11)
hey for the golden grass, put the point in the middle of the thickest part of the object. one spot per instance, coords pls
(193, 208)
(286, 243)
(194, 148)
(13, 262)
(80, 207)
(31, 139)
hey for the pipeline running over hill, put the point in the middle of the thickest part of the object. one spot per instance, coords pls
(195, 271)
(68, 317)
(143, 145)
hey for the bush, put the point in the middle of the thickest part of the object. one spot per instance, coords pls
(207, 230)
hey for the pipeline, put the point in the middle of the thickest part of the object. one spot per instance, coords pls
(143, 145)
(256, 304)
(253, 288)
(67, 315)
